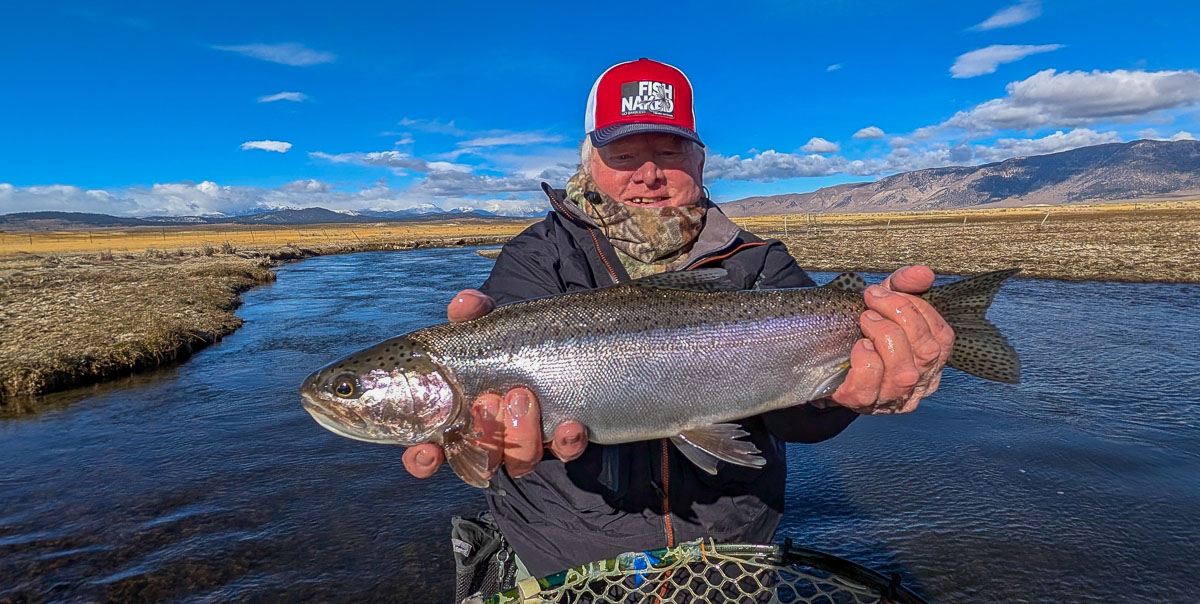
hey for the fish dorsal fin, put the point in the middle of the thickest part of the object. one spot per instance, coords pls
(851, 282)
(706, 445)
(699, 280)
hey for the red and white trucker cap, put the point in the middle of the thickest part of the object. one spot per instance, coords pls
(640, 96)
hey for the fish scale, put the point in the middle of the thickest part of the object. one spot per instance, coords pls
(663, 357)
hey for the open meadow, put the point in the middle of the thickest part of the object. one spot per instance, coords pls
(1134, 242)
(77, 307)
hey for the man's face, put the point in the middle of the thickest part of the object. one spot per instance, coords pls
(649, 170)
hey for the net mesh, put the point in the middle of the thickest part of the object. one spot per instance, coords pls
(701, 571)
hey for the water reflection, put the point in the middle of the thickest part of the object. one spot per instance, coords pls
(207, 481)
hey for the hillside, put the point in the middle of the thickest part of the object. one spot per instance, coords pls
(1141, 169)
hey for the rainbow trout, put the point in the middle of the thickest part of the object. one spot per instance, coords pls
(676, 355)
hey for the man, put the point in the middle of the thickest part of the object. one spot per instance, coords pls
(636, 207)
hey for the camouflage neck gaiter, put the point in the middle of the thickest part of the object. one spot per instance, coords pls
(647, 240)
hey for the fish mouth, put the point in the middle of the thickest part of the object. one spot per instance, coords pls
(340, 425)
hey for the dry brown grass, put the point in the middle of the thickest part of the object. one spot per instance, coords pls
(93, 313)
(86, 307)
(1117, 242)
(209, 239)
(69, 321)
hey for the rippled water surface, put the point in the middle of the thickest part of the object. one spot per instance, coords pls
(208, 481)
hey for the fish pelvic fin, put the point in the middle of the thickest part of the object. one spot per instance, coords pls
(851, 282)
(467, 459)
(708, 445)
(700, 280)
(979, 347)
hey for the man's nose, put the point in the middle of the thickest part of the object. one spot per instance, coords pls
(648, 174)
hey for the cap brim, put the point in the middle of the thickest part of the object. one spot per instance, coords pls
(608, 134)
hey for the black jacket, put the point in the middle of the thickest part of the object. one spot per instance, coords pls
(560, 515)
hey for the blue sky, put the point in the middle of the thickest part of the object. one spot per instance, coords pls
(140, 108)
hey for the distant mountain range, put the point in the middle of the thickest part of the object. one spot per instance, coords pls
(1141, 169)
(37, 221)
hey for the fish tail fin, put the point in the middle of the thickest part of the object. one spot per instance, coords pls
(979, 347)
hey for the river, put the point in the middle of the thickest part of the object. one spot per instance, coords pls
(208, 482)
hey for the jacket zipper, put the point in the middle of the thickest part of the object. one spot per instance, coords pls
(664, 447)
(666, 484)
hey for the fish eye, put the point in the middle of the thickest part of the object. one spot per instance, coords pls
(345, 387)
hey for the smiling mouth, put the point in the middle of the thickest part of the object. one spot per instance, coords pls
(647, 201)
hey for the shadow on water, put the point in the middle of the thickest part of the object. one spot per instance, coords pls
(207, 481)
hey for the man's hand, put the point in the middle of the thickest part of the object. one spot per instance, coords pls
(907, 343)
(510, 427)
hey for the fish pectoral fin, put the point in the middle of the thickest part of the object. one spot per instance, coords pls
(831, 383)
(700, 280)
(468, 460)
(706, 445)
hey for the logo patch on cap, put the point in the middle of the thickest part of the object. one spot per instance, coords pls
(646, 96)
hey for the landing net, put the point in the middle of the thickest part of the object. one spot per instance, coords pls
(701, 571)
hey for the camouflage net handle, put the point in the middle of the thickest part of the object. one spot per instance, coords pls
(702, 571)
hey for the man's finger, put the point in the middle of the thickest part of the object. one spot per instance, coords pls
(900, 309)
(570, 440)
(468, 305)
(942, 332)
(916, 279)
(489, 431)
(861, 388)
(900, 374)
(422, 461)
(522, 432)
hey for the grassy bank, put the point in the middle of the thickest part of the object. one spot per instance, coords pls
(77, 308)
(76, 317)
(1120, 242)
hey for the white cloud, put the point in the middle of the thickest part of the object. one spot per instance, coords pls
(461, 184)
(276, 146)
(1006, 148)
(390, 159)
(433, 126)
(311, 185)
(869, 132)
(283, 96)
(1021, 12)
(817, 144)
(900, 141)
(407, 140)
(834, 67)
(208, 198)
(986, 60)
(770, 166)
(1152, 134)
(1079, 98)
(511, 138)
(289, 53)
